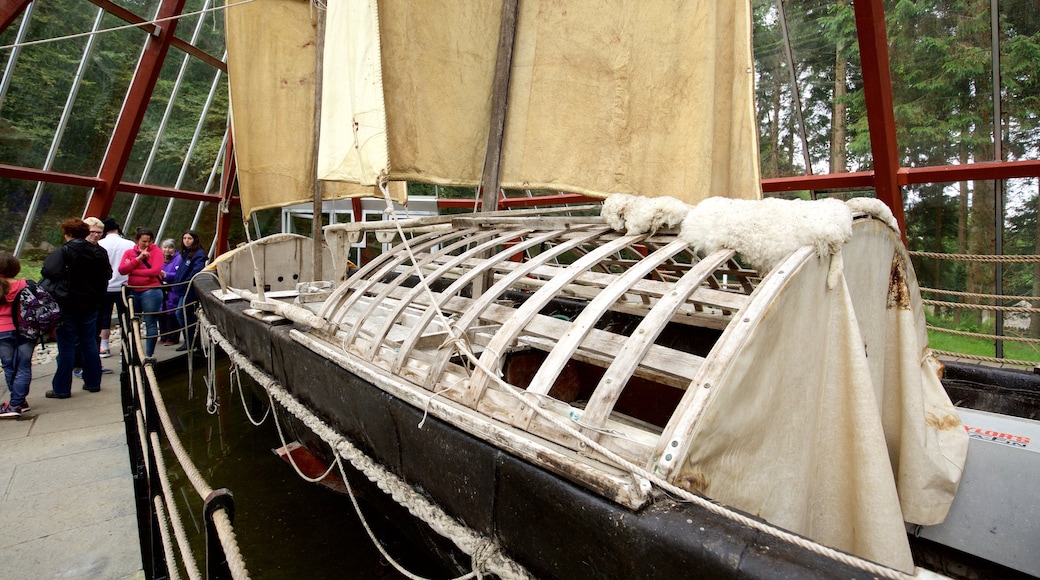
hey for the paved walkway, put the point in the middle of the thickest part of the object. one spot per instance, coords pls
(66, 491)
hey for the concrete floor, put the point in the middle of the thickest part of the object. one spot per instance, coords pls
(66, 491)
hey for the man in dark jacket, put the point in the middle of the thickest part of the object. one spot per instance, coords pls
(77, 275)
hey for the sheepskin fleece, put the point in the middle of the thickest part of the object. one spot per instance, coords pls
(874, 207)
(764, 232)
(637, 215)
(820, 409)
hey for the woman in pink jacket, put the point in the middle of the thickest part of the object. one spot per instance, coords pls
(142, 265)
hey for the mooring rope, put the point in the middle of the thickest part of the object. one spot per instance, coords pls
(485, 553)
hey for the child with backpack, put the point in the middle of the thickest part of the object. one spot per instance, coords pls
(15, 350)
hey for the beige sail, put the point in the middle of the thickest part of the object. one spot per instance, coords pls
(271, 69)
(654, 98)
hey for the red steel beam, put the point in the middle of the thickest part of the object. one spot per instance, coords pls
(10, 10)
(130, 17)
(167, 192)
(134, 107)
(227, 188)
(12, 172)
(877, 88)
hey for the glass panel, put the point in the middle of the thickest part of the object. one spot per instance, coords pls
(188, 24)
(211, 35)
(162, 166)
(823, 41)
(56, 203)
(144, 8)
(40, 82)
(99, 98)
(198, 83)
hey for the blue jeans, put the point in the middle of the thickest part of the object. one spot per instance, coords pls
(16, 356)
(148, 303)
(76, 327)
(186, 317)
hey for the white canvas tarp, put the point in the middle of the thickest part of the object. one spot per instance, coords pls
(654, 98)
(821, 410)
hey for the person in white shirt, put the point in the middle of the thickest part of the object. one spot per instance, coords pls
(116, 245)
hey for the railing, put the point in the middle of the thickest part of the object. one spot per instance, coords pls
(972, 301)
(147, 426)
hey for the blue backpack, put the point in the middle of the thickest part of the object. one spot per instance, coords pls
(35, 312)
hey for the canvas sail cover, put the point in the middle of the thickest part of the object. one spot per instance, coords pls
(823, 412)
(272, 60)
(654, 98)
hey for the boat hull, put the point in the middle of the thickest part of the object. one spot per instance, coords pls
(552, 527)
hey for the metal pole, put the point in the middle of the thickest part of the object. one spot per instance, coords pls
(998, 185)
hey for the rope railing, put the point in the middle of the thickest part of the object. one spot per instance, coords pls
(144, 405)
(982, 302)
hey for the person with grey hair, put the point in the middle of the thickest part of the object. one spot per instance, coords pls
(169, 327)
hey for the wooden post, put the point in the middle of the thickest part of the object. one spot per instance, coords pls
(499, 96)
(317, 208)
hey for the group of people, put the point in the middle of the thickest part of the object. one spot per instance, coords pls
(87, 276)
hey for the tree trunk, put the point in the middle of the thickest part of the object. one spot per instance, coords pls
(838, 163)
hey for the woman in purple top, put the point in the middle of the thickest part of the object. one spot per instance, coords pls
(169, 328)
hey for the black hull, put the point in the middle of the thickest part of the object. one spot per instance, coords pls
(552, 527)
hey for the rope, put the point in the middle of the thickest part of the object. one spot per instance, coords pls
(190, 565)
(1003, 259)
(228, 541)
(687, 496)
(988, 336)
(489, 555)
(985, 296)
(980, 306)
(231, 550)
(164, 534)
(356, 458)
(1007, 361)
(236, 378)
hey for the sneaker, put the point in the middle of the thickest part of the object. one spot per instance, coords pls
(78, 373)
(24, 407)
(9, 411)
(105, 371)
(105, 353)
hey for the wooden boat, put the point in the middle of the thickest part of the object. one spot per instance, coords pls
(656, 388)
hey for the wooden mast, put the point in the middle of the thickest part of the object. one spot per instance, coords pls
(316, 211)
(500, 92)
